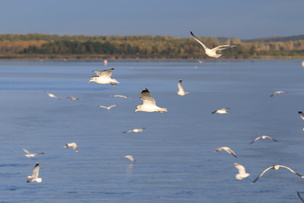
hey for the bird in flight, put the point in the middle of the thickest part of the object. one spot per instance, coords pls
(30, 154)
(263, 137)
(227, 149)
(221, 111)
(149, 104)
(35, 174)
(212, 52)
(107, 107)
(104, 77)
(242, 172)
(181, 91)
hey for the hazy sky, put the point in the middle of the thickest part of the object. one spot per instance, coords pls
(242, 19)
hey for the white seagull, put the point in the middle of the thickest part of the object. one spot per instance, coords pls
(242, 172)
(130, 157)
(212, 52)
(301, 114)
(181, 91)
(107, 107)
(52, 95)
(276, 167)
(30, 154)
(227, 149)
(278, 92)
(149, 104)
(135, 130)
(35, 174)
(120, 96)
(73, 98)
(104, 77)
(221, 111)
(73, 145)
(263, 137)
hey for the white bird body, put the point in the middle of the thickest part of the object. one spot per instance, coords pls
(107, 107)
(73, 145)
(149, 104)
(135, 130)
(221, 111)
(242, 172)
(212, 52)
(278, 92)
(130, 157)
(52, 95)
(227, 149)
(181, 90)
(35, 174)
(104, 77)
(276, 167)
(30, 154)
(263, 137)
(120, 96)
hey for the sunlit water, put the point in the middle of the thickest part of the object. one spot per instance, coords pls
(175, 161)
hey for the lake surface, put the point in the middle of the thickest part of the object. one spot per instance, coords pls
(175, 161)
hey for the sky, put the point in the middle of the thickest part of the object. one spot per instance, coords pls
(243, 19)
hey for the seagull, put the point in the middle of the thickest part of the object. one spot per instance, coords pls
(136, 130)
(130, 157)
(242, 172)
(30, 154)
(73, 98)
(73, 144)
(277, 92)
(107, 107)
(149, 104)
(301, 114)
(276, 167)
(212, 52)
(221, 111)
(300, 197)
(121, 96)
(104, 77)
(35, 174)
(227, 149)
(52, 95)
(263, 137)
(181, 91)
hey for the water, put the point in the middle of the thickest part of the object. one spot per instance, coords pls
(175, 158)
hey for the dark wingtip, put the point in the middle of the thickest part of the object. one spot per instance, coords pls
(300, 112)
(145, 90)
(191, 33)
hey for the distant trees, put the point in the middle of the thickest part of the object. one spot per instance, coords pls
(143, 45)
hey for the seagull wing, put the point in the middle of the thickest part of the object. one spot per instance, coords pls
(222, 47)
(201, 43)
(147, 98)
(112, 106)
(271, 138)
(180, 86)
(301, 114)
(104, 73)
(102, 106)
(291, 170)
(300, 197)
(231, 152)
(256, 139)
(267, 169)
(26, 151)
(241, 168)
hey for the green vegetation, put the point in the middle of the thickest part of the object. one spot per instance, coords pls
(142, 46)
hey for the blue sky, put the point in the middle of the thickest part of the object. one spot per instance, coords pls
(242, 19)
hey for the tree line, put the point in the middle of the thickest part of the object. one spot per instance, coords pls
(146, 46)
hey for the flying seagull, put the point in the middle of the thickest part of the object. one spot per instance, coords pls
(130, 157)
(73, 145)
(73, 98)
(149, 104)
(212, 52)
(30, 154)
(181, 91)
(301, 114)
(52, 95)
(221, 111)
(277, 92)
(104, 77)
(263, 137)
(107, 107)
(227, 149)
(136, 130)
(120, 96)
(242, 172)
(276, 167)
(35, 174)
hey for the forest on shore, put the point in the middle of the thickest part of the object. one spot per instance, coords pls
(143, 46)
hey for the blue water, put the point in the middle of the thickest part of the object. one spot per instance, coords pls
(174, 156)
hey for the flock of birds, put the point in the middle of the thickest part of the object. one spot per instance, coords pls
(149, 105)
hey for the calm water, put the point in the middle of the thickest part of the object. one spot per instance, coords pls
(175, 158)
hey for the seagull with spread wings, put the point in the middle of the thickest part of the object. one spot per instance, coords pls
(107, 107)
(212, 52)
(149, 104)
(242, 172)
(227, 149)
(263, 137)
(30, 154)
(104, 77)
(35, 174)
